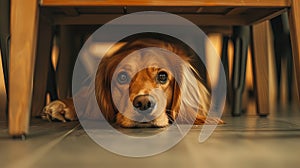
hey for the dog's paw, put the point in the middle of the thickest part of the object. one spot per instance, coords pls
(61, 110)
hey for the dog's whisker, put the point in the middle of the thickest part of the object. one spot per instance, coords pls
(174, 121)
(179, 129)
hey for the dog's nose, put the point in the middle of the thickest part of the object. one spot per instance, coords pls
(144, 103)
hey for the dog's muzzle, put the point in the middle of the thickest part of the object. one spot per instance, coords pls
(144, 104)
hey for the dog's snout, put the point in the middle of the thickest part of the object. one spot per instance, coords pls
(144, 103)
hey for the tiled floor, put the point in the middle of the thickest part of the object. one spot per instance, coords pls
(247, 141)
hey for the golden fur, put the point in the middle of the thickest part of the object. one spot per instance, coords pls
(189, 97)
(142, 83)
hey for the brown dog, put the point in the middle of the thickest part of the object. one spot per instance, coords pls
(142, 85)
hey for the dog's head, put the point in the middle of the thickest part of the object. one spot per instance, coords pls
(144, 84)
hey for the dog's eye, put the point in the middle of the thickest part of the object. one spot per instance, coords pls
(162, 77)
(123, 78)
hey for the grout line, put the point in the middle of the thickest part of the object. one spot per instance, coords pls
(31, 158)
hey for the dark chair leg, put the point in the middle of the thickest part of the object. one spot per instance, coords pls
(282, 48)
(4, 45)
(70, 45)
(42, 64)
(5, 37)
(224, 59)
(276, 24)
(51, 83)
(224, 56)
(241, 39)
(290, 74)
(289, 55)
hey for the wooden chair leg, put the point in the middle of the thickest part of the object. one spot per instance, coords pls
(24, 19)
(294, 15)
(261, 67)
(42, 65)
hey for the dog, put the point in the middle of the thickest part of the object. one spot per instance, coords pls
(151, 81)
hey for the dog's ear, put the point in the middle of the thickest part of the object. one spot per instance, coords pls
(103, 89)
(176, 97)
(190, 96)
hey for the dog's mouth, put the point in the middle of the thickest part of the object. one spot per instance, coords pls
(144, 125)
(144, 117)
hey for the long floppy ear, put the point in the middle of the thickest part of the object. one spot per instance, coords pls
(103, 88)
(190, 97)
(176, 97)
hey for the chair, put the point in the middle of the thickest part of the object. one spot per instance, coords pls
(241, 38)
(202, 12)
